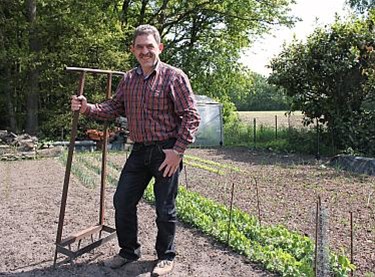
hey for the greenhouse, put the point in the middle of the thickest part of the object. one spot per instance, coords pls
(210, 132)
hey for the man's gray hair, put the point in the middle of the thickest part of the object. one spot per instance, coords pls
(147, 30)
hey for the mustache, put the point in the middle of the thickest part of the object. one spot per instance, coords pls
(145, 55)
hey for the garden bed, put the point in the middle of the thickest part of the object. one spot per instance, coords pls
(288, 188)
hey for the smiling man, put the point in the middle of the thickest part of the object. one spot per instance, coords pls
(158, 102)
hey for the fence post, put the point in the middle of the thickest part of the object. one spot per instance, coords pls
(276, 127)
(255, 133)
(321, 244)
(318, 140)
(316, 236)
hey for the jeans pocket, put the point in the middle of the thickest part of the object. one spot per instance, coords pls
(160, 149)
(136, 147)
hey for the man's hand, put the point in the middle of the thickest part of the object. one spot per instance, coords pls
(79, 103)
(171, 162)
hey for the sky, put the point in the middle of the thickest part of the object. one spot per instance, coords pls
(312, 12)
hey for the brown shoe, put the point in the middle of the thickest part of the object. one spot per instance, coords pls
(116, 262)
(162, 267)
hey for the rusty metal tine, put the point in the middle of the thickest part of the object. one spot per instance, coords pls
(104, 156)
(93, 70)
(68, 168)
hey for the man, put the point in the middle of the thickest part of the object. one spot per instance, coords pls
(159, 104)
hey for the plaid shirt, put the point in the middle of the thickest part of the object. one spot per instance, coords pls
(158, 107)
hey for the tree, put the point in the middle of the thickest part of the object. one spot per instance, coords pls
(204, 38)
(328, 78)
(11, 42)
(258, 94)
(361, 5)
(62, 33)
(33, 75)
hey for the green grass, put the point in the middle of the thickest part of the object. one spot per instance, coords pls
(290, 140)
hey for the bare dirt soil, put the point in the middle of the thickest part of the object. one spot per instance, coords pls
(288, 188)
(30, 194)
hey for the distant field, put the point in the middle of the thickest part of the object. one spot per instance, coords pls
(268, 118)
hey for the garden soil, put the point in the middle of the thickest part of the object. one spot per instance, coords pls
(30, 195)
(288, 186)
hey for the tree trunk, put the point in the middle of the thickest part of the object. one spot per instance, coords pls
(9, 102)
(33, 76)
(142, 13)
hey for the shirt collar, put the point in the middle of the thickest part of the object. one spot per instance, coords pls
(156, 69)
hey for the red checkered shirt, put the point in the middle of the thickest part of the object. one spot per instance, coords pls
(158, 107)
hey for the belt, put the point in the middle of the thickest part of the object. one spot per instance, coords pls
(153, 143)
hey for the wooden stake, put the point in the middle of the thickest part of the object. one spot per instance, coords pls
(186, 178)
(258, 202)
(351, 241)
(230, 213)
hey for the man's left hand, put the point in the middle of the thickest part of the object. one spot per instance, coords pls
(171, 162)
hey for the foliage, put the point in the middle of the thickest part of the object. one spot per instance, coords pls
(258, 95)
(361, 5)
(70, 33)
(289, 140)
(237, 134)
(204, 38)
(278, 249)
(329, 79)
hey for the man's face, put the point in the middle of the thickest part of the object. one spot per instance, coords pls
(146, 50)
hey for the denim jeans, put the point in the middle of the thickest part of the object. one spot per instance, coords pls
(141, 166)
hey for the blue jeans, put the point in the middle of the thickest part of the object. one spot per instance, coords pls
(141, 166)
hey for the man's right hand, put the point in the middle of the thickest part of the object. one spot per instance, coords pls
(79, 103)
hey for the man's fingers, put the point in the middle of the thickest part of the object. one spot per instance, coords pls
(162, 166)
(170, 164)
(169, 171)
(75, 104)
(78, 102)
